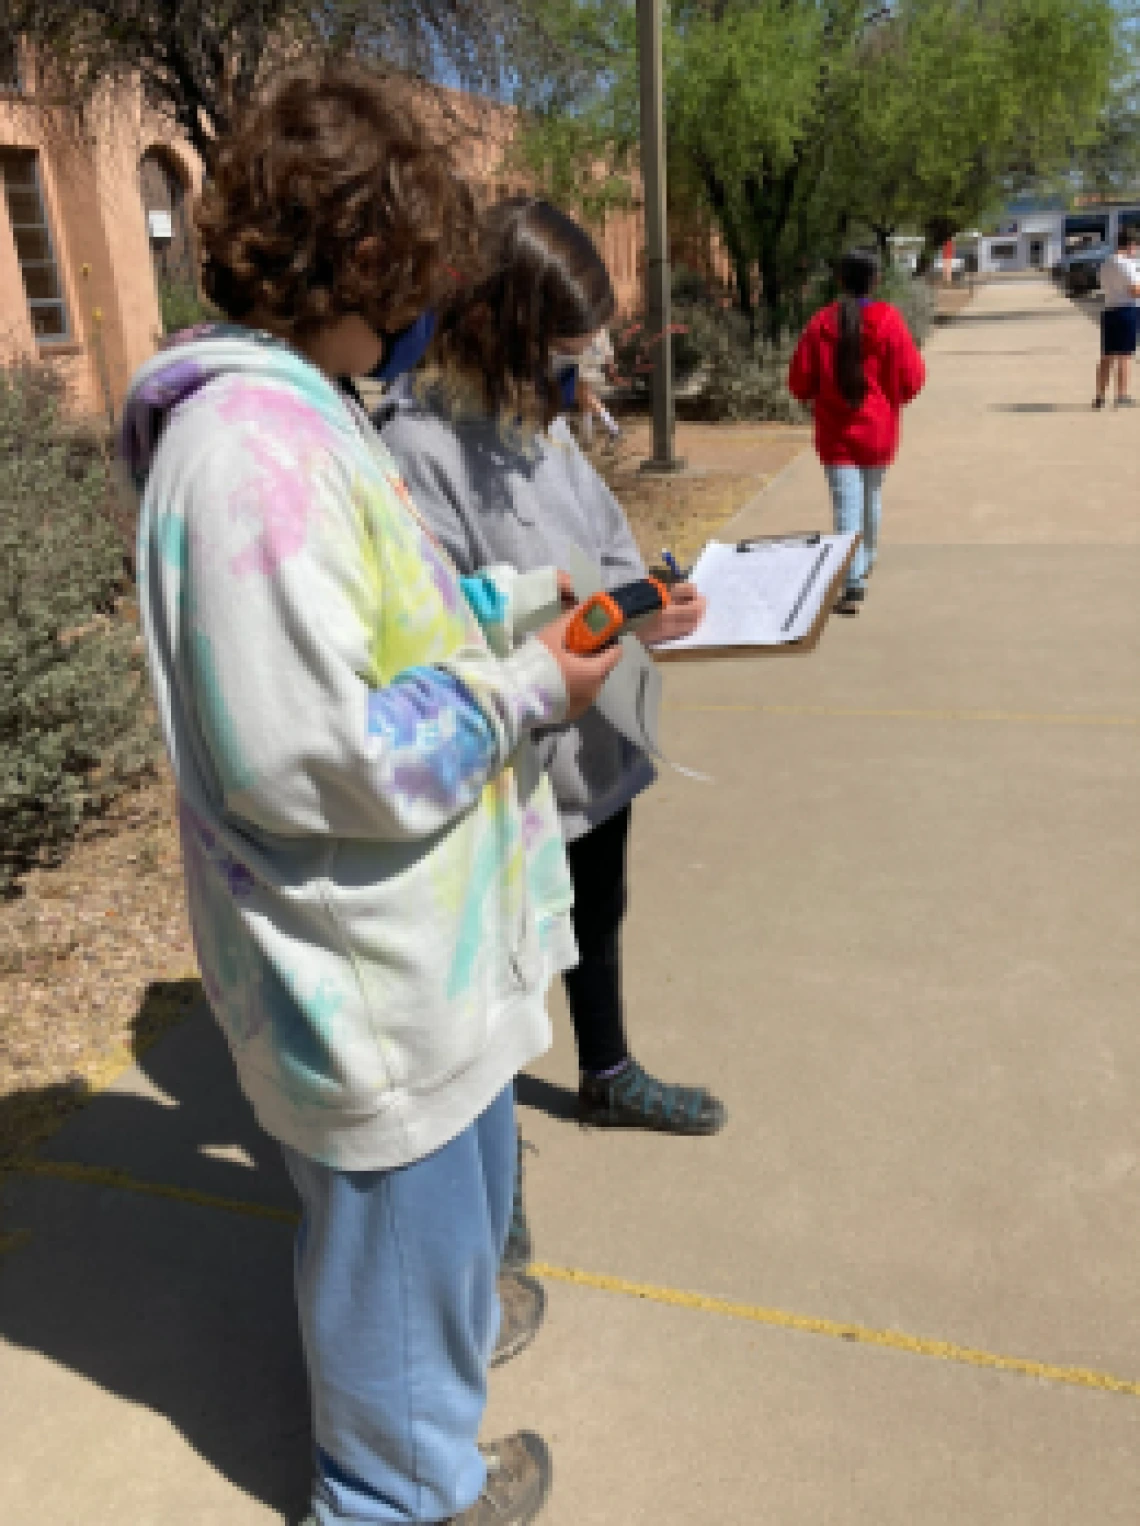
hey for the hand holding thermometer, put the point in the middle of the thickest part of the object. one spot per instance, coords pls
(601, 619)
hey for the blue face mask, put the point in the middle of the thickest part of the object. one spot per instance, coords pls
(404, 351)
(566, 382)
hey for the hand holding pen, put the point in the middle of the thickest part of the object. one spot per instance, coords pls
(686, 609)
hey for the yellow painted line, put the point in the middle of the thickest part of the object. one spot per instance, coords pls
(756, 1314)
(1007, 717)
(122, 1181)
(805, 1324)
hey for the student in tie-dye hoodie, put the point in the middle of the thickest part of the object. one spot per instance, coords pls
(374, 869)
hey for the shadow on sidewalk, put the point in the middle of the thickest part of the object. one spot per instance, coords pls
(175, 1305)
(559, 1102)
(171, 1305)
(1040, 408)
(1017, 315)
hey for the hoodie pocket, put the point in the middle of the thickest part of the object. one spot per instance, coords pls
(524, 961)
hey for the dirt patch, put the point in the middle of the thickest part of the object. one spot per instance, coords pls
(95, 957)
(726, 466)
(682, 513)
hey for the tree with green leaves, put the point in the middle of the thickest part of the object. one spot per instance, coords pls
(1108, 164)
(834, 118)
(798, 124)
(747, 85)
(951, 108)
(581, 125)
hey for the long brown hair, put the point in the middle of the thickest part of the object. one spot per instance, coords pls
(858, 273)
(542, 280)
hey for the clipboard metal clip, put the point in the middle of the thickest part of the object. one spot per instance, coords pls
(757, 542)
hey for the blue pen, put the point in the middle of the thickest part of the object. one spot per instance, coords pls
(671, 562)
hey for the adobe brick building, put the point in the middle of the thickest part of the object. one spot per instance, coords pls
(90, 214)
(95, 215)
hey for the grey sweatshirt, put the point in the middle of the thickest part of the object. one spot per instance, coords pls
(488, 503)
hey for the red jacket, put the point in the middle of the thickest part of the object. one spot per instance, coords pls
(867, 435)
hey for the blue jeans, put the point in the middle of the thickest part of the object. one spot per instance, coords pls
(857, 504)
(396, 1289)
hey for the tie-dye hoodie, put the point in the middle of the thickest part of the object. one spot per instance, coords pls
(374, 870)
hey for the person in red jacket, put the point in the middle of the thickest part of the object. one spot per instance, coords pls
(857, 367)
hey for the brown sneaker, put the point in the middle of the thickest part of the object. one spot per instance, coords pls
(522, 1305)
(519, 1472)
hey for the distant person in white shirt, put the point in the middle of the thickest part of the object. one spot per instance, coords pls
(1120, 283)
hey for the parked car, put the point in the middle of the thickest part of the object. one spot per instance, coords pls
(1078, 272)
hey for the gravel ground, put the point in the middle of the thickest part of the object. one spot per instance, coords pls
(95, 957)
(726, 466)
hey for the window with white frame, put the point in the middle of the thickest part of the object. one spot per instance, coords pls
(27, 213)
(1003, 252)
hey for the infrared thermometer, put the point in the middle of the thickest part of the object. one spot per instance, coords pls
(603, 617)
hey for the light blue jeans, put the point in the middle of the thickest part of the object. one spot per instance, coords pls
(857, 504)
(396, 1289)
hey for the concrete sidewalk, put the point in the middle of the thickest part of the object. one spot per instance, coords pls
(900, 935)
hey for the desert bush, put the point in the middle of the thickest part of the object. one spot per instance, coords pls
(911, 295)
(76, 727)
(913, 298)
(183, 306)
(741, 375)
(722, 369)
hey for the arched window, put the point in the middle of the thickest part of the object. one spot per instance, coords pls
(164, 201)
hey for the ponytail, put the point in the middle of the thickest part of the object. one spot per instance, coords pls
(849, 353)
(858, 273)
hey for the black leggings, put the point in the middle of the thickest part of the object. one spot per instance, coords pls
(593, 989)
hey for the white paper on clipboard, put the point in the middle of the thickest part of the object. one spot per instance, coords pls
(764, 592)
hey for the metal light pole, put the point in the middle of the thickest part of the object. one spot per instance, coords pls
(657, 281)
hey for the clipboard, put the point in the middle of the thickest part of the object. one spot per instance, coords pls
(806, 643)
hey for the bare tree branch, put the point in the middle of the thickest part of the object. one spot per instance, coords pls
(195, 59)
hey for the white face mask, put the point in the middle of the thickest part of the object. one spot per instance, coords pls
(566, 360)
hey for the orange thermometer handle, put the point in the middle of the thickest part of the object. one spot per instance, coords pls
(595, 625)
(601, 618)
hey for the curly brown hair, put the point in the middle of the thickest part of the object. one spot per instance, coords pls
(319, 164)
(542, 280)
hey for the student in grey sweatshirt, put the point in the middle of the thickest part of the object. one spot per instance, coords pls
(500, 480)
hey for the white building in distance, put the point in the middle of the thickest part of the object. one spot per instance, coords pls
(1036, 240)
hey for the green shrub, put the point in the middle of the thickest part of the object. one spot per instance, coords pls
(913, 298)
(722, 370)
(182, 306)
(742, 376)
(76, 728)
(911, 295)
